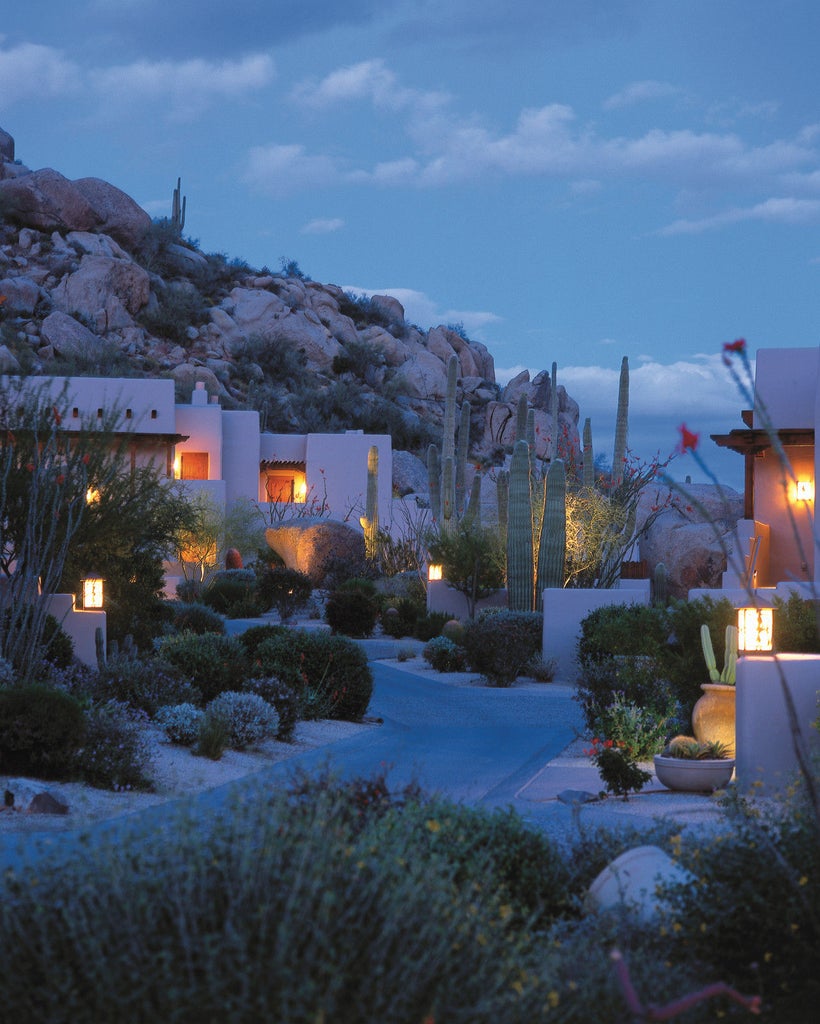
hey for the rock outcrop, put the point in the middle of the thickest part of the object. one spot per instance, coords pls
(318, 547)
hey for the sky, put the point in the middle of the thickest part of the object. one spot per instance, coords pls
(573, 181)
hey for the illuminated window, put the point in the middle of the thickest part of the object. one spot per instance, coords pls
(193, 465)
(286, 485)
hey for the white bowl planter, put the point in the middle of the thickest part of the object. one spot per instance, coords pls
(693, 776)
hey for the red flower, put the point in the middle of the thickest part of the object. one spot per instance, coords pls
(2, 299)
(30, 467)
(735, 346)
(688, 439)
(86, 459)
(60, 480)
(607, 744)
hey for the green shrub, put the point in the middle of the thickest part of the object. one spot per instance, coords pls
(41, 730)
(623, 629)
(541, 669)
(143, 685)
(284, 697)
(500, 644)
(180, 722)
(401, 617)
(115, 753)
(197, 618)
(635, 679)
(444, 656)
(286, 590)
(684, 665)
(213, 663)
(643, 731)
(332, 667)
(454, 630)
(796, 625)
(430, 625)
(351, 612)
(249, 718)
(189, 591)
(232, 592)
(252, 637)
(214, 737)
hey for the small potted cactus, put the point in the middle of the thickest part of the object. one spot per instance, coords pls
(713, 716)
(692, 765)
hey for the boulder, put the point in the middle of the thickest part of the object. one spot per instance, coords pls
(186, 376)
(8, 361)
(423, 375)
(21, 294)
(394, 350)
(389, 309)
(6, 146)
(87, 243)
(409, 474)
(316, 546)
(119, 215)
(104, 289)
(67, 336)
(47, 201)
(299, 332)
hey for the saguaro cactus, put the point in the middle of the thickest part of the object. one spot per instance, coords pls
(370, 520)
(589, 458)
(434, 482)
(552, 548)
(619, 453)
(178, 202)
(519, 532)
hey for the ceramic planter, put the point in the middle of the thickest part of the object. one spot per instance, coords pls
(713, 716)
(693, 776)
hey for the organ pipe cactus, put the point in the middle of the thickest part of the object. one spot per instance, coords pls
(552, 547)
(519, 532)
(727, 675)
(370, 520)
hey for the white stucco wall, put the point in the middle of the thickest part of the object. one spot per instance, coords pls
(339, 462)
(151, 401)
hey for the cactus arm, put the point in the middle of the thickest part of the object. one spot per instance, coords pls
(370, 520)
(519, 533)
(553, 451)
(178, 208)
(502, 490)
(521, 418)
(448, 445)
(461, 456)
(472, 514)
(448, 494)
(730, 658)
(709, 653)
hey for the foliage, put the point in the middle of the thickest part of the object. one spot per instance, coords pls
(197, 541)
(687, 748)
(196, 618)
(283, 696)
(796, 625)
(617, 765)
(249, 718)
(115, 753)
(180, 722)
(333, 667)
(280, 361)
(41, 730)
(616, 629)
(177, 306)
(213, 738)
(142, 685)
(212, 662)
(631, 679)
(444, 656)
(399, 618)
(351, 612)
(286, 590)
(641, 730)
(541, 669)
(499, 644)
(472, 559)
(232, 592)
(430, 625)
(253, 636)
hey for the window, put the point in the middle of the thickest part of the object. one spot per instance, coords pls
(193, 465)
(285, 485)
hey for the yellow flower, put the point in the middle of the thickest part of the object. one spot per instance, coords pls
(433, 825)
(553, 999)
(804, 880)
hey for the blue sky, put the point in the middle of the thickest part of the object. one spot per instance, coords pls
(573, 180)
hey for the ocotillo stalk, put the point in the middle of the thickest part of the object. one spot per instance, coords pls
(553, 452)
(448, 496)
(461, 455)
(502, 490)
(519, 532)
(370, 519)
(619, 453)
(434, 483)
(552, 548)
(589, 458)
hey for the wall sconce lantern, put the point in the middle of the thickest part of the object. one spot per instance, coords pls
(434, 572)
(804, 490)
(92, 592)
(754, 630)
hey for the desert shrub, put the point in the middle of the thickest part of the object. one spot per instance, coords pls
(143, 685)
(796, 625)
(401, 616)
(634, 679)
(180, 722)
(7, 674)
(213, 663)
(232, 592)
(249, 718)
(284, 697)
(115, 753)
(683, 661)
(454, 630)
(286, 590)
(541, 669)
(407, 653)
(643, 731)
(623, 629)
(430, 625)
(252, 637)
(500, 644)
(41, 730)
(189, 591)
(352, 612)
(444, 656)
(214, 737)
(177, 307)
(331, 666)
(196, 618)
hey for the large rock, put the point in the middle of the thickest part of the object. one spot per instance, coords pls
(21, 294)
(304, 332)
(67, 336)
(409, 474)
(47, 201)
(6, 146)
(388, 309)
(119, 215)
(108, 291)
(423, 376)
(316, 546)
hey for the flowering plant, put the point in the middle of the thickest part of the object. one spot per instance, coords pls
(618, 767)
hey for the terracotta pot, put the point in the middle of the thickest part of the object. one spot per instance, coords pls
(693, 776)
(713, 716)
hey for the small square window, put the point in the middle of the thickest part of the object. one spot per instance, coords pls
(75, 413)
(128, 414)
(153, 414)
(99, 414)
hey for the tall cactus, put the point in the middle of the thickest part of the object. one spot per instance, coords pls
(472, 513)
(589, 458)
(519, 532)
(619, 453)
(552, 546)
(461, 453)
(434, 482)
(178, 203)
(448, 493)
(370, 520)
(502, 490)
(553, 452)
(448, 441)
(660, 586)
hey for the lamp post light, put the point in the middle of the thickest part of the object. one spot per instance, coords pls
(93, 591)
(754, 630)
(435, 572)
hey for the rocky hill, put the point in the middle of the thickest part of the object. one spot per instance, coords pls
(91, 285)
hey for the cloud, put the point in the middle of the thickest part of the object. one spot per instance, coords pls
(30, 71)
(420, 309)
(187, 87)
(322, 226)
(280, 169)
(772, 211)
(640, 92)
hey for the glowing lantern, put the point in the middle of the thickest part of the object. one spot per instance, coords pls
(92, 592)
(754, 629)
(434, 572)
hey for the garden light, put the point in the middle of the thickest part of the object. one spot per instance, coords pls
(754, 629)
(92, 592)
(435, 572)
